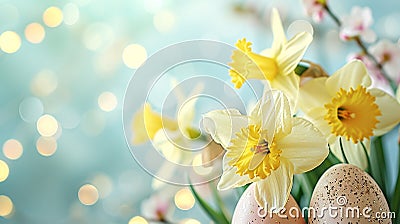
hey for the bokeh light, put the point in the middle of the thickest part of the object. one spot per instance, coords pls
(44, 83)
(6, 206)
(137, 220)
(107, 101)
(134, 55)
(47, 125)
(46, 146)
(4, 171)
(10, 42)
(30, 109)
(12, 149)
(52, 16)
(189, 221)
(34, 33)
(88, 194)
(184, 199)
(71, 13)
(104, 185)
(164, 21)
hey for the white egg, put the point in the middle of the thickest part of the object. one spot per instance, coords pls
(248, 211)
(347, 194)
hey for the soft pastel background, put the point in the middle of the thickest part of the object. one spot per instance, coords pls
(74, 66)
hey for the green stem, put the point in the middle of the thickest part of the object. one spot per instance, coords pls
(332, 15)
(395, 203)
(342, 150)
(378, 164)
(367, 155)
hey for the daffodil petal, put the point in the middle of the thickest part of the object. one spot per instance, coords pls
(289, 85)
(139, 130)
(277, 31)
(390, 109)
(165, 141)
(305, 147)
(273, 112)
(398, 94)
(186, 115)
(230, 179)
(222, 125)
(292, 52)
(313, 94)
(316, 116)
(354, 152)
(273, 192)
(349, 76)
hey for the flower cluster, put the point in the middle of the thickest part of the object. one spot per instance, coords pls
(305, 117)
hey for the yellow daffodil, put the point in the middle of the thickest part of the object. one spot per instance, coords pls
(147, 122)
(348, 111)
(268, 147)
(276, 64)
(171, 137)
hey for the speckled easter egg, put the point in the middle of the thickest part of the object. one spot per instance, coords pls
(248, 211)
(347, 194)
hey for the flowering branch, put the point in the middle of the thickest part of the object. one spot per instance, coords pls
(361, 45)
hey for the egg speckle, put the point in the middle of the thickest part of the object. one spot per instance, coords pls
(248, 211)
(347, 194)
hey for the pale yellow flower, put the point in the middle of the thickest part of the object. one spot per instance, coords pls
(276, 64)
(146, 123)
(268, 147)
(344, 107)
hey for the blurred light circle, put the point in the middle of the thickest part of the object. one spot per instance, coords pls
(88, 194)
(71, 13)
(104, 185)
(299, 26)
(47, 125)
(184, 199)
(31, 109)
(46, 146)
(12, 149)
(4, 171)
(189, 221)
(107, 101)
(134, 55)
(44, 83)
(137, 220)
(52, 16)
(6, 206)
(164, 21)
(10, 42)
(34, 33)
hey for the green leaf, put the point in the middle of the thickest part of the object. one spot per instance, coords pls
(395, 198)
(216, 216)
(378, 164)
(300, 69)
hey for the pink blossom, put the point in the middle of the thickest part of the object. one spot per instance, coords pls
(388, 55)
(158, 207)
(315, 9)
(378, 79)
(358, 24)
